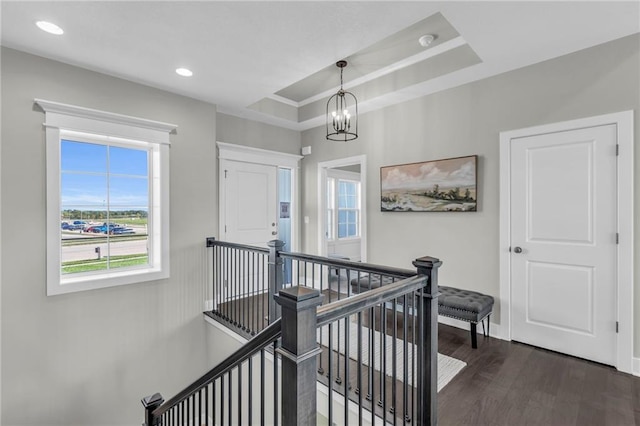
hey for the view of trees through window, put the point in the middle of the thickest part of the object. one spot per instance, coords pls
(104, 217)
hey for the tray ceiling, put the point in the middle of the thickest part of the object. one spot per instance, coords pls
(275, 61)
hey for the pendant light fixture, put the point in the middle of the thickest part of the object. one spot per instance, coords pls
(342, 113)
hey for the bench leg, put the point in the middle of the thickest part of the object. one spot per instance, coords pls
(474, 336)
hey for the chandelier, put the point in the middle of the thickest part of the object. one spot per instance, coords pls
(342, 113)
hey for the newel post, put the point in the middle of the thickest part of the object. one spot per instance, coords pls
(275, 277)
(150, 403)
(427, 317)
(299, 349)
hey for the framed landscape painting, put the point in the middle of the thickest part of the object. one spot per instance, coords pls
(448, 185)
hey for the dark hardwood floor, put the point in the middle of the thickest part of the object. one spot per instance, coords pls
(513, 384)
(508, 383)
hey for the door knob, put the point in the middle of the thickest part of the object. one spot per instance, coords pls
(517, 250)
(274, 232)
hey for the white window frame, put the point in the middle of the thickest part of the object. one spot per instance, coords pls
(330, 212)
(64, 121)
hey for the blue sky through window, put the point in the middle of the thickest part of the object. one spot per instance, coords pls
(101, 177)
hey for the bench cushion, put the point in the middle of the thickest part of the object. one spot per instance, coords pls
(368, 282)
(461, 304)
(464, 304)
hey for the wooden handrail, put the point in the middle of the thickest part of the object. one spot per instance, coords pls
(259, 342)
(213, 242)
(348, 264)
(351, 305)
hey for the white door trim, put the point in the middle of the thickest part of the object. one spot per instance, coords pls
(322, 200)
(247, 154)
(624, 122)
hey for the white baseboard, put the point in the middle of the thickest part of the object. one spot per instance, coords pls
(494, 329)
(495, 332)
(225, 329)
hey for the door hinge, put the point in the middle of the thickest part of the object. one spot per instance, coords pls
(617, 149)
(225, 229)
(225, 173)
(617, 238)
(617, 324)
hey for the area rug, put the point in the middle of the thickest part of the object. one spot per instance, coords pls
(448, 366)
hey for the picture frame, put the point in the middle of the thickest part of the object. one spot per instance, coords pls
(447, 185)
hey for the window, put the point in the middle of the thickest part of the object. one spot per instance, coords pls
(104, 193)
(343, 208)
(107, 199)
(348, 208)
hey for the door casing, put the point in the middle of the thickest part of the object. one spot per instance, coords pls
(322, 201)
(625, 196)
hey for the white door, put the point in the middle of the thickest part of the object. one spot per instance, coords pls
(249, 194)
(563, 242)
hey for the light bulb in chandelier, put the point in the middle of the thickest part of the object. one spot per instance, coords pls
(341, 123)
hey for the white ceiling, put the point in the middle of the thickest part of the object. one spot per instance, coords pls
(242, 52)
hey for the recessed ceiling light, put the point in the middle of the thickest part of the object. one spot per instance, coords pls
(426, 40)
(184, 72)
(49, 27)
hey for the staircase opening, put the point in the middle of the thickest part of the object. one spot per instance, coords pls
(347, 341)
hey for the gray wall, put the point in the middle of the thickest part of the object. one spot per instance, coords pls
(467, 120)
(87, 358)
(240, 131)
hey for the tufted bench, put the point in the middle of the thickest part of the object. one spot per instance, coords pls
(464, 305)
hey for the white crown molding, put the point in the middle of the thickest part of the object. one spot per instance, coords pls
(82, 112)
(284, 100)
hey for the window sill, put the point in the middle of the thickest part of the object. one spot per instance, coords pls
(104, 280)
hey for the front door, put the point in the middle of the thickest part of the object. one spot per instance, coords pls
(249, 194)
(563, 241)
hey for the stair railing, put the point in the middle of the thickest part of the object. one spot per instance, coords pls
(197, 403)
(397, 385)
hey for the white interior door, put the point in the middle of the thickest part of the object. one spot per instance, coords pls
(249, 193)
(563, 242)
